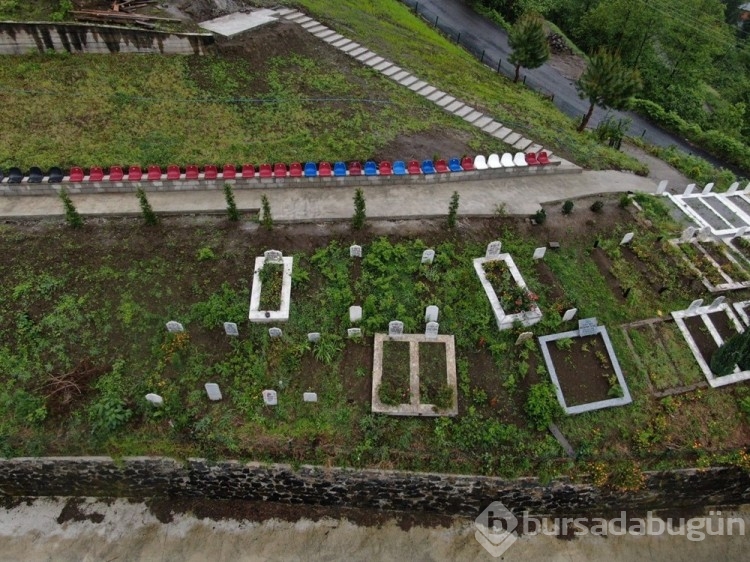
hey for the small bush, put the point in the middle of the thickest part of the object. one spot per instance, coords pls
(358, 220)
(453, 210)
(540, 216)
(624, 201)
(71, 214)
(232, 211)
(266, 219)
(567, 207)
(541, 405)
(149, 216)
(597, 206)
(205, 254)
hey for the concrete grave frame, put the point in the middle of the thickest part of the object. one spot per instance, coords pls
(506, 321)
(625, 399)
(729, 284)
(679, 318)
(267, 316)
(415, 407)
(741, 309)
(722, 213)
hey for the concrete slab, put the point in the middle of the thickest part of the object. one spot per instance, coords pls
(465, 110)
(491, 127)
(287, 12)
(534, 148)
(400, 76)
(325, 33)
(427, 90)
(350, 47)
(436, 96)
(417, 85)
(303, 20)
(335, 38)
(454, 106)
(393, 69)
(358, 51)
(374, 62)
(482, 122)
(308, 25)
(383, 66)
(317, 29)
(367, 55)
(295, 16)
(502, 133)
(512, 138)
(473, 116)
(522, 144)
(341, 43)
(446, 101)
(234, 24)
(406, 81)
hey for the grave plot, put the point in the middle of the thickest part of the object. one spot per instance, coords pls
(661, 354)
(510, 299)
(272, 288)
(705, 329)
(722, 213)
(414, 375)
(742, 309)
(719, 269)
(584, 369)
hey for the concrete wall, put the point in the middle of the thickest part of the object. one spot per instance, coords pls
(31, 37)
(449, 494)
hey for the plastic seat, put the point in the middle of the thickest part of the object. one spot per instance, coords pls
(116, 173)
(454, 165)
(493, 161)
(96, 173)
(441, 166)
(399, 168)
(531, 159)
(76, 174)
(248, 171)
(371, 168)
(311, 170)
(279, 170)
(154, 173)
(542, 158)
(355, 169)
(480, 162)
(467, 163)
(339, 169)
(229, 172)
(324, 169)
(295, 170)
(135, 173)
(191, 172)
(35, 174)
(173, 172)
(413, 167)
(520, 159)
(55, 175)
(428, 167)
(385, 168)
(265, 171)
(15, 175)
(210, 172)
(507, 160)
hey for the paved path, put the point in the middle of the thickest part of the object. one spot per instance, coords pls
(520, 195)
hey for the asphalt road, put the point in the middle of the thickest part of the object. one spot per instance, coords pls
(479, 34)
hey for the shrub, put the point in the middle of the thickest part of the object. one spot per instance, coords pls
(597, 206)
(541, 405)
(358, 220)
(266, 218)
(149, 216)
(71, 214)
(624, 201)
(567, 207)
(453, 210)
(540, 216)
(232, 211)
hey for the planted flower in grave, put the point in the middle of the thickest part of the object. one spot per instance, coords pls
(513, 299)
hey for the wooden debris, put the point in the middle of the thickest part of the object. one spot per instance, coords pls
(111, 15)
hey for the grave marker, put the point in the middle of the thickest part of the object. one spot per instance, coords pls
(539, 253)
(493, 250)
(696, 304)
(354, 333)
(707, 189)
(704, 234)
(626, 239)
(587, 326)
(733, 188)
(395, 328)
(213, 391)
(309, 397)
(274, 332)
(355, 251)
(569, 314)
(554, 245)
(718, 301)
(355, 314)
(687, 234)
(155, 399)
(270, 398)
(230, 328)
(431, 313)
(741, 231)
(174, 327)
(662, 187)
(273, 256)
(689, 189)
(428, 256)
(431, 332)
(313, 337)
(523, 336)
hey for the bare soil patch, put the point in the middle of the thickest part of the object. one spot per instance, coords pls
(584, 370)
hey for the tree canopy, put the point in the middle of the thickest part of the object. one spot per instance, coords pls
(529, 43)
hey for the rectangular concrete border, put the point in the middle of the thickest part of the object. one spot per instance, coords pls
(415, 407)
(730, 285)
(267, 316)
(581, 408)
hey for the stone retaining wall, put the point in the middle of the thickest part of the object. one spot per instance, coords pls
(449, 494)
(20, 38)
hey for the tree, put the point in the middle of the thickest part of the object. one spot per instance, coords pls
(266, 220)
(358, 220)
(232, 211)
(453, 210)
(71, 214)
(149, 216)
(608, 83)
(734, 351)
(529, 43)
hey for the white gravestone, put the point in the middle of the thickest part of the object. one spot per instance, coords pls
(587, 326)
(230, 328)
(493, 250)
(354, 332)
(539, 252)
(689, 189)
(718, 301)
(687, 234)
(355, 251)
(395, 328)
(355, 314)
(626, 239)
(431, 313)
(522, 337)
(155, 399)
(174, 327)
(707, 189)
(270, 398)
(704, 234)
(569, 314)
(662, 187)
(733, 187)
(428, 256)
(696, 304)
(309, 397)
(313, 337)
(431, 332)
(213, 391)
(273, 256)
(274, 332)
(741, 231)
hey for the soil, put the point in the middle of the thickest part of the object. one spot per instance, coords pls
(650, 280)
(270, 291)
(583, 378)
(603, 265)
(716, 253)
(570, 66)
(357, 358)
(395, 379)
(703, 339)
(723, 325)
(741, 246)
(433, 374)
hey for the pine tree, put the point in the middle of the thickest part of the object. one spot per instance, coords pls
(149, 216)
(266, 220)
(453, 210)
(734, 351)
(71, 214)
(529, 43)
(358, 220)
(607, 82)
(232, 211)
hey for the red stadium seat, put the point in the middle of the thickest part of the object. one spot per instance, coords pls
(441, 166)
(324, 169)
(96, 173)
(230, 172)
(531, 159)
(355, 169)
(135, 173)
(173, 172)
(279, 170)
(154, 173)
(467, 163)
(210, 172)
(295, 170)
(385, 168)
(542, 158)
(191, 172)
(76, 174)
(248, 171)
(265, 171)
(413, 167)
(116, 173)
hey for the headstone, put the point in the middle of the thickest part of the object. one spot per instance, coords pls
(523, 336)
(747, 188)
(313, 337)
(704, 234)
(493, 250)
(428, 256)
(741, 231)
(554, 245)
(539, 252)
(689, 189)
(230, 328)
(274, 332)
(355, 314)
(355, 251)
(662, 187)
(213, 391)
(431, 313)
(155, 399)
(733, 187)
(718, 301)
(696, 304)
(626, 239)
(309, 397)
(431, 332)
(273, 256)
(707, 189)
(354, 333)
(687, 234)
(395, 328)
(587, 326)
(270, 398)
(569, 314)
(173, 327)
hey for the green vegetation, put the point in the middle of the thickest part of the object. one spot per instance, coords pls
(358, 220)
(567, 207)
(149, 216)
(271, 278)
(266, 218)
(394, 386)
(72, 217)
(529, 43)
(453, 210)
(735, 352)
(232, 213)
